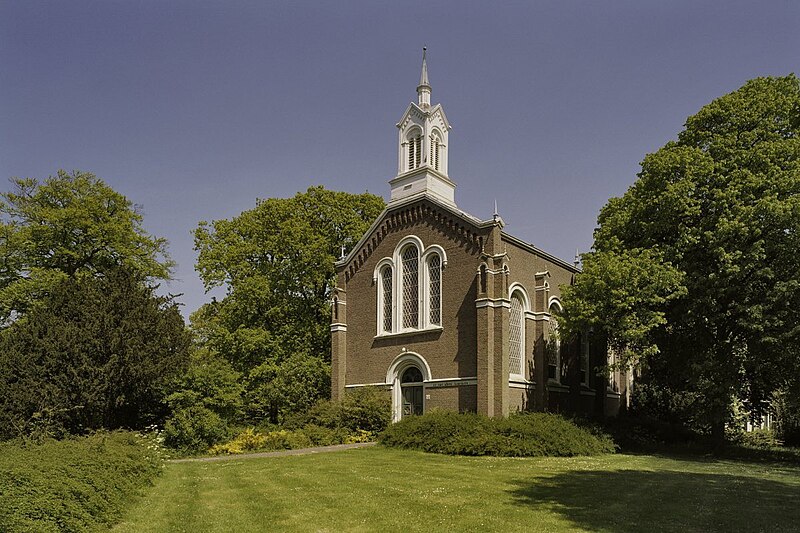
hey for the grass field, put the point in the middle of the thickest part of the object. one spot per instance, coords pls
(379, 489)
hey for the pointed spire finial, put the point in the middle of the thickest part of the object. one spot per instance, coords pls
(577, 258)
(496, 214)
(424, 87)
(423, 78)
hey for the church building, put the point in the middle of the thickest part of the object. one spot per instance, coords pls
(445, 310)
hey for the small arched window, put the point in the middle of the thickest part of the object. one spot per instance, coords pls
(385, 300)
(410, 270)
(435, 290)
(516, 336)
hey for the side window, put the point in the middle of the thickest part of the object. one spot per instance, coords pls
(435, 290)
(385, 300)
(516, 325)
(553, 346)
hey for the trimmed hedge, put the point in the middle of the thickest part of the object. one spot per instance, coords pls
(519, 435)
(78, 484)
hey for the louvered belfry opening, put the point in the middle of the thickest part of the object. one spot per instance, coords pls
(410, 259)
(414, 152)
(435, 152)
(516, 337)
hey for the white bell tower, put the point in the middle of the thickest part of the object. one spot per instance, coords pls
(422, 148)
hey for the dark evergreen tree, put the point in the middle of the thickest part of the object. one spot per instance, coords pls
(99, 352)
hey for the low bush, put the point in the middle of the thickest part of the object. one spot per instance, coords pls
(78, 484)
(365, 408)
(645, 434)
(759, 438)
(194, 429)
(252, 440)
(523, 435)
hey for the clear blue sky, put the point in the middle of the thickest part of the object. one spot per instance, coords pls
(195, 109)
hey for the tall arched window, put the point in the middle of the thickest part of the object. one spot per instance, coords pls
(385, 299)
(410, 265)
(553, 345)
(516, 336)
(435, 290)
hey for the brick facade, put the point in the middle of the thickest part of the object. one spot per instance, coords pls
(467, 358)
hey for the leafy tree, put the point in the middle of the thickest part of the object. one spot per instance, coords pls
(207, 398)
(100, 352)
(292, 386)
(277, 264)
(620, 296)
(68, 226)
(721, 205)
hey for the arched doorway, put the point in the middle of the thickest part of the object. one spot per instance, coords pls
(411, 391)
(408, 375)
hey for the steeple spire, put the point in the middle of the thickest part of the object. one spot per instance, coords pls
(422, 147)
(424, 88)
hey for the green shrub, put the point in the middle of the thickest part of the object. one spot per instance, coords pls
(759, 438)
(324, 436)
(524, 434)
(77, 484)
(640, 433)
(194, 429)
(365, 408)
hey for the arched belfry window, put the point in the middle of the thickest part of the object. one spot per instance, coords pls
(435, 143)
(435, 290)
(516, 336)
(414, 149)
(410, 265)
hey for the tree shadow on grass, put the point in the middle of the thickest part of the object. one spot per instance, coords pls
(625, 501)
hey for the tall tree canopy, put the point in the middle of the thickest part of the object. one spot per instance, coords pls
(68, 226)
(277, 264)
(719, 212)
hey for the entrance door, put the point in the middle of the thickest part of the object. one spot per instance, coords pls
(411, 387)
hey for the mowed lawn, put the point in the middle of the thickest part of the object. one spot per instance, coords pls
(379, 489)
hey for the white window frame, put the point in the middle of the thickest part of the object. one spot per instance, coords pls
(515, 290)
(423, 287)
(554, 302)
(382, 265)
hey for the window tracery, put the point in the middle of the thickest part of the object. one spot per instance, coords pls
(516, 337)
(409, 288)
